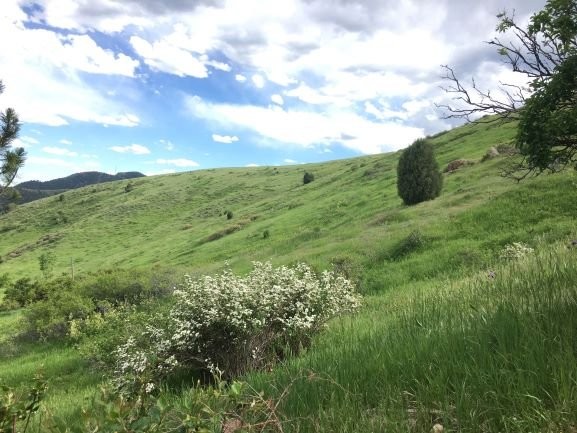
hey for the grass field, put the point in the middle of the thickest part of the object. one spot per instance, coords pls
(437, 340)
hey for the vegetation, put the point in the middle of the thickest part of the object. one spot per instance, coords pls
(308, 177)
(11, 160)
(467, 317)
(418, 175)
(546, 53)
(35, 189)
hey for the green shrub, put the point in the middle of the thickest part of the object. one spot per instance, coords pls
(24, 291)
(222, 407)
(119, 286)
(418, 175)
(233, 324)
(51, 318)
(229, 215)
(308, 177)
(413, 242)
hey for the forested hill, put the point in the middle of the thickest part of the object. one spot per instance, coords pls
(34, 189)
(78, 180)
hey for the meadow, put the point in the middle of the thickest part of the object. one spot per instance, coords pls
(450, 331)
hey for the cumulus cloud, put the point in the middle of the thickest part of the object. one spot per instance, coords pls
(240, 78)
(59, 151)
(277, 99)
(258, 81)
(307, 129)
(165, 57)
(135, 149)
(54, 64)
(25, 141)
(226, 139)
(179, 162)
(65, 141)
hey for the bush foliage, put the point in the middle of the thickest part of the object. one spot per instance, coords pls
(418, 175)
(232, 324)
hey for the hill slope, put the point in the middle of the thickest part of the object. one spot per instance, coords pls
(438, 342)
(350, 215)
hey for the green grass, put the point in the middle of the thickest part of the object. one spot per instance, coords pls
(436, 340)
(472, 354)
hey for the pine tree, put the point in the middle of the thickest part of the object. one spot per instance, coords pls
(418, 175)
(11, 160)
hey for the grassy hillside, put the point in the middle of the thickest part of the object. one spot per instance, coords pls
(436, 340)
(351, 213)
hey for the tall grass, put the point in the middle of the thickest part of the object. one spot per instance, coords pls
(479, 354)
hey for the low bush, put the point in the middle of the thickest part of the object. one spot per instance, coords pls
(413, 242)
(233, 324)
(24, 291)
(50, 319)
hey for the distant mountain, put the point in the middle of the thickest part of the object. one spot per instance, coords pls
(35, 189)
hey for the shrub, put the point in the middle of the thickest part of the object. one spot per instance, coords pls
(266, 234)
(235, 324)
(413, 242)
(516, 250)
(418, 175)
(229, 215)
(24, 291)
(222, 407)
(50, 319)
(308, 177)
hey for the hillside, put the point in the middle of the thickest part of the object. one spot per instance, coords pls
(35, 189)
(351, 212)
(451, 330)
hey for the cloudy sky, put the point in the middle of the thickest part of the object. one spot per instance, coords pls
(164, 86)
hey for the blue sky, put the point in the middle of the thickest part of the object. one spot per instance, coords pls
(161, 87)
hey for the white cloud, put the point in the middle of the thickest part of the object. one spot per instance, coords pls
(258, 81)
(135, 149)
(66, 142)
(25, 141)
(165, 57)
(167, 144)
(240, 78)
(226, 139)
(59, 151)
(290, 161)
(216, 65)
(307, 129)
(277, 99)
(179, 162)
(44, 68)
(252, 165)
(160, 172)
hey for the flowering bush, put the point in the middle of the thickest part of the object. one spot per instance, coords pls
(232, 324)
(516, 250)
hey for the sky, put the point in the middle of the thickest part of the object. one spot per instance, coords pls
(177, 85)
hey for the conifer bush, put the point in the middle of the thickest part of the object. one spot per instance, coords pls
(418, 175)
